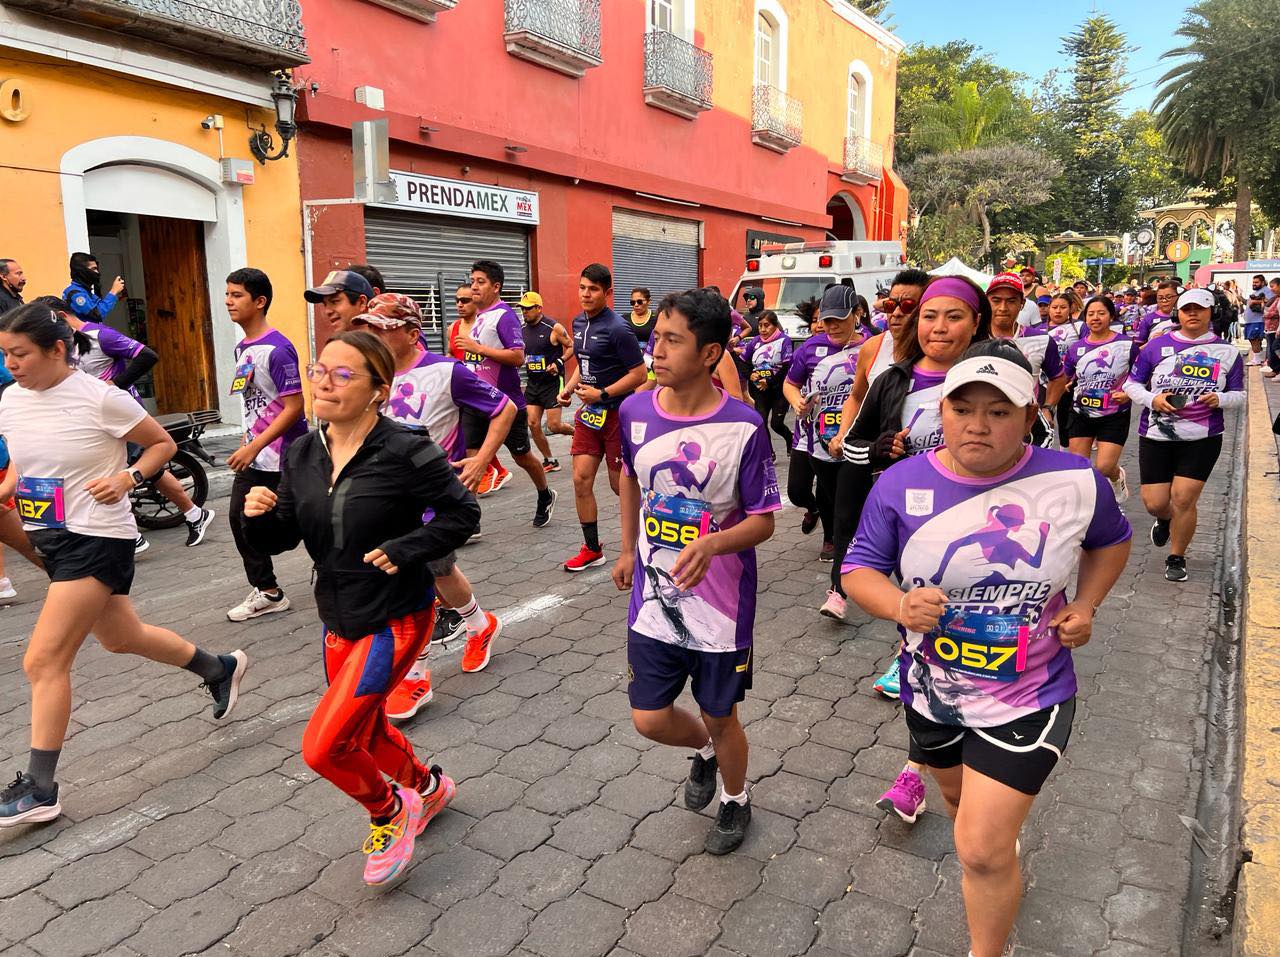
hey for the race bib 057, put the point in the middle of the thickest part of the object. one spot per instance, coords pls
(981, 646)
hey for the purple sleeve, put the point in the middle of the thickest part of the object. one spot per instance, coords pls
(799, 370)
(1142, 368)
(509, 332)
(1068, 362)
(757, 478)
(283, 365)
(117, 345)
(1052, 364)
(876, 544)
(788, 350)
(469, 391)
(1235, 376)
(624, 428)
(627, 348)
(1109, 525)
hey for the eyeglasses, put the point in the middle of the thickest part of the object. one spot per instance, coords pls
(341, 376)
(888, 305)
(638, 302)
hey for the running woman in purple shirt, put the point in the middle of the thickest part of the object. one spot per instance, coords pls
(698, 495)
(974, 550)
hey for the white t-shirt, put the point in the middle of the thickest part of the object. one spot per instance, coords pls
(60, 440)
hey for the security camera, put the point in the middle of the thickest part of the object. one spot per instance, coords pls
(212, 122)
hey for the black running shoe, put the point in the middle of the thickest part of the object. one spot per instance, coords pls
(449, 625)
(1160, 533)
(24, 803)
(730, 828)
(1175, 568)
(196, 529)
(809, 522)
(226, 691)
(701, 786)
(546, 505)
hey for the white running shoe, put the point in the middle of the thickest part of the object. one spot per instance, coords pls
(257, 605)
(1120, 485)
(7, 590)
(834, 606)
(140, 544)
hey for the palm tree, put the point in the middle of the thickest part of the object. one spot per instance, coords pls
(968, 120)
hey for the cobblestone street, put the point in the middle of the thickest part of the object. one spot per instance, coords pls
(567, 838)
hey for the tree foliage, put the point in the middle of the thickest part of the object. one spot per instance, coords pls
(967, 120)
(875, 9)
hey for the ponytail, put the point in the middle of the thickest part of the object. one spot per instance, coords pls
(45, 327)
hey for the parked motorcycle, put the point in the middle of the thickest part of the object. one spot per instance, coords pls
(150, 508)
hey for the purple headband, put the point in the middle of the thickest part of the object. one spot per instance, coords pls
(955, 287)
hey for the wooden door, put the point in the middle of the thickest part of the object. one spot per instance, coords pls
(179, 324)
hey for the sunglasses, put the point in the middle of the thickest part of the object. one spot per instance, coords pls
(341, 376)
(638, 302)
(888, 305)
(463, 299)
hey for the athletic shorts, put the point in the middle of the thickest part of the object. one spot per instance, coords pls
(543, 391)
(657, 671)
(1112, 428)
(476, 426)
(602, 443)
(1019, 754)
(1160, 462)
(70, 556)
(8, 505)
(443, 566)
(1253, 330)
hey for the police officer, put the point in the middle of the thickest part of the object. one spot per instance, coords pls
(82, 295)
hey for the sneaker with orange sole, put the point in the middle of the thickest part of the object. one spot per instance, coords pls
(439, 799)
(476, 655)
(409, 697)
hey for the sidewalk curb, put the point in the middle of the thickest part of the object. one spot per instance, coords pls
(1257, 917)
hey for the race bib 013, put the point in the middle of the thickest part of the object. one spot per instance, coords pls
(40, 502)
(993, 647)
(673, 521)
(1095, 400)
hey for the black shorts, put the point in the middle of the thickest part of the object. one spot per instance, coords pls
(476, 426)
(440, 567)
(1019, 754)
(1160, 462)
(70, 556)
(543, 391)
(657, 671)
(1113, 428)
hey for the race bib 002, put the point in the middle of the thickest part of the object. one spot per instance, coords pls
(673, 521)
(40, 502)
(993, 647)
(593, 416)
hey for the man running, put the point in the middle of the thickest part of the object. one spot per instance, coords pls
(495, 352)
(692, 573)
(547, 348)
(342, 296)
(1005, 293)
(496, 478)
(610, 367)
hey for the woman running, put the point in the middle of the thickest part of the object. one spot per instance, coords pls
(1064, 307)
(988, 683)
(768, 356)
(1098, 366)
(67, 433)
(354, 492)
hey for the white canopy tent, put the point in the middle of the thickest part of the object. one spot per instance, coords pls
(954, 267)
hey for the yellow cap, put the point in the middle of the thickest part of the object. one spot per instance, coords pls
(530, 299)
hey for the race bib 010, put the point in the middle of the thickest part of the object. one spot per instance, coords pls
(40, 502)
(1202, 370)
(993, 647)
(673, 521)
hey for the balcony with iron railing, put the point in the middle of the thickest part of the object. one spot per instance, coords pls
(423, 10)
(260, 33)
(863, 160)
(777, 119)
(563, 35)
(677, 74)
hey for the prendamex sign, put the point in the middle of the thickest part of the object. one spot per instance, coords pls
(455, 197)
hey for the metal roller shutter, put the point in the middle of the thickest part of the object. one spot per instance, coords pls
(428, 257)
(657, 252)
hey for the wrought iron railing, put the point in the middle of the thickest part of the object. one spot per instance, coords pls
(671, 63)
(574, 24)
(863, 156)
(777, 114)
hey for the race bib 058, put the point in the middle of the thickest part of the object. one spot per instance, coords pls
(673, 521)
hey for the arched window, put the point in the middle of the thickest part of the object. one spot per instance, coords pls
(766, 50)
(856, 111)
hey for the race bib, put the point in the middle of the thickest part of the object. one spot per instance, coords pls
(1201, 370)
(1095, 400)
(40, 502)
(673, 521)
(536, 363)
(993, 647)
(828, 424)
(593, 416)
(472, 358)
(243, 377)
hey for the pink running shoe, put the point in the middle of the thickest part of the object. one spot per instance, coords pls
(439, 799)
(390, 845)
(905, 798)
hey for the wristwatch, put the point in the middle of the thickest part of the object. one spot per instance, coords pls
(137, 476)
(604, 395)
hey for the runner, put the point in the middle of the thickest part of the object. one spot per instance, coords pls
(427, 394)
(342, 296)
(610, 367)
(769, 357)
(82, 295)
(497, 477)
(800, 477)
(1004, 292)
(1065, 330)
(372, 275)
(114, 357)
(641, 319)
(1158, 320)
(1183, 380)
(66, 432)
(547, 348)
(700, 480)
(1098, 366)
(270, 389)
(354, 492)
(1016, 521)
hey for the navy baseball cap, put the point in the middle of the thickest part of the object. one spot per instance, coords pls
(1043, 300)
(838, 302)
(340, 280)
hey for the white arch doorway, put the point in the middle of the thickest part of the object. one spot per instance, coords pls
(846, 217)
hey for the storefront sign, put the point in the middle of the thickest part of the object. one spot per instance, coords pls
(455, 197)
(758, 237)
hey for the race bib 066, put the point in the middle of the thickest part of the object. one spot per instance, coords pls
(993, 647)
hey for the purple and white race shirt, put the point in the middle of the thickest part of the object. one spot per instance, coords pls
(499, 328)
(1191, 367)
(1099, 369)
(830, 378)
(922, 411)
(1065, 335)
(696, 475)
(803, 361)
(266, 372)
(109, 352)
(773, 354)
(1005, 550)
(1041, 350)
(1152, 325)
(430, 394)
